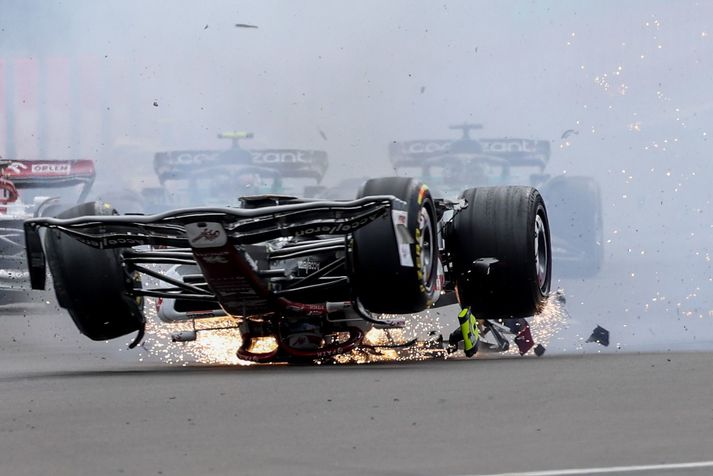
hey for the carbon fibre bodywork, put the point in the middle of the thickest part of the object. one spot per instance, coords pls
(190, 229)
(313, 275)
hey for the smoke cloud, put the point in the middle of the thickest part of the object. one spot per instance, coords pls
(119, 80)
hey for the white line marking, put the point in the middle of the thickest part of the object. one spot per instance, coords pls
(612, 469)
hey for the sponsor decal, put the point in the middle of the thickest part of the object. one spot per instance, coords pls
(51, 168)
(308, 309)
(308, 264)
(515, 145)
(88, 241)
(16, 167)
(440, 277)
(190, 158)
(206, 234)
(116, 242)
(338, 228)
(287, 157)
(400, 219)
(111, 242)
(427, 147)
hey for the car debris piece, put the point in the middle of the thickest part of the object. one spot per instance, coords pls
(184, 336)
(600, 336)
(524, 340)
(569, 132)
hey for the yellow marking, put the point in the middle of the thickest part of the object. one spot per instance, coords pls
(469, 330)
(421, 194)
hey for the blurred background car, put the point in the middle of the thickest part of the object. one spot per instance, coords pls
(221, 177)
(574, 202)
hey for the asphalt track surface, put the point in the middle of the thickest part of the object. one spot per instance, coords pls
(70, 406)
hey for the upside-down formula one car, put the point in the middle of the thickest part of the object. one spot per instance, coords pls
(303, 280)
(574, 202)
(219, 177)
(32, 188)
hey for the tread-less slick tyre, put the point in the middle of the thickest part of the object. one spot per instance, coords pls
(93, 284)
(397, 275)
(500, 245)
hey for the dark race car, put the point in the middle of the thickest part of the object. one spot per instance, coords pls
(303, 280)
(574, 202)
(32, 188)
(221, 177)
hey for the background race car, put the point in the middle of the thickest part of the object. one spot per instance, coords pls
(33, 188)
(573, 202)
(221, 177)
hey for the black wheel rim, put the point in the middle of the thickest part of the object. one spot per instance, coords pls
(426, 243)
(541, 253)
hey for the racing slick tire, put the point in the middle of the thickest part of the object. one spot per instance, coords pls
(500, 251)
(93, 284)
(576, 209)
(385, 280)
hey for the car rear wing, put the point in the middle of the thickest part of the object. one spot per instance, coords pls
(518, 152)
(293, 162)
(49, 174)
(288, 162)
(417, 152)
(241, 226)
(181, 164)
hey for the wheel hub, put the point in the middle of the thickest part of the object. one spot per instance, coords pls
(541, 253)
(426, 246)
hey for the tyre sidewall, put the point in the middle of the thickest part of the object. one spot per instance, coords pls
(92, 284)
(380, 281)
(499, 223)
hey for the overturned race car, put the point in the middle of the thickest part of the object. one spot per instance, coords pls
(308, 277)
